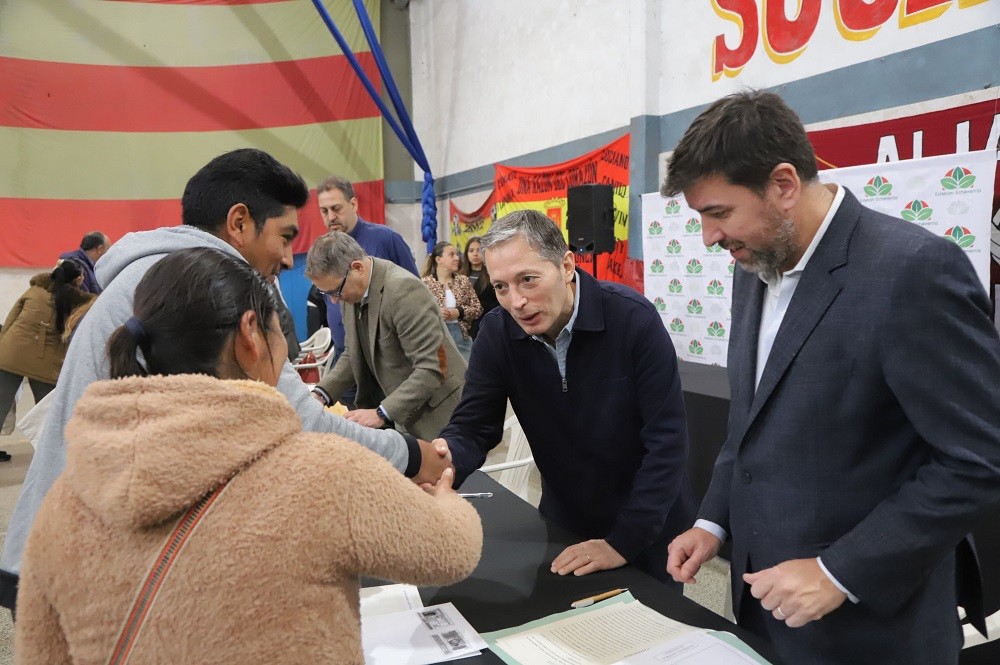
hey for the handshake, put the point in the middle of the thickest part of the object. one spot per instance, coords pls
(434, 459)
(436, 473)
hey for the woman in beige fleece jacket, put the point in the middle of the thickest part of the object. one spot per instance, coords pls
(270, 574)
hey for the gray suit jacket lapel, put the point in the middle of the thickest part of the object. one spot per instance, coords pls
(375, 289)
(817, 290)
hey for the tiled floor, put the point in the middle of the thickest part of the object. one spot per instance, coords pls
(11, 477)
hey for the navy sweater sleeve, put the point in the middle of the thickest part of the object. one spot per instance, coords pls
(476, 425)
(663, 436)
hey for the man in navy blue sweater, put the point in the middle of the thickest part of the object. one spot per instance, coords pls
(339, 207)
(592, 376)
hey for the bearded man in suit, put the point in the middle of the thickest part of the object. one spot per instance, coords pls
(862, 447)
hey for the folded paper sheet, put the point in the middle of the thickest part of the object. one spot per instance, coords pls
(420, 636)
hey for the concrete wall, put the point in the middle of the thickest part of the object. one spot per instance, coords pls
(524, 82)
(14, 282)
(497, 80)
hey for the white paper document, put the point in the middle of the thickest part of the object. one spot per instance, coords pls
(417, 637)
(388, 598)
(694, 649)
(602, 636)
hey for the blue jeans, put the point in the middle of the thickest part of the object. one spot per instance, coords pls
(464, 345)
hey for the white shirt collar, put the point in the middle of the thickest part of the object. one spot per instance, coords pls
(371, 271)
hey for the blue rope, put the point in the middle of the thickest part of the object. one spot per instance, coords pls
(390, 83)
(406, 134)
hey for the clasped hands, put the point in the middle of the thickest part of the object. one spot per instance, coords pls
(795, 591)
(435, 458)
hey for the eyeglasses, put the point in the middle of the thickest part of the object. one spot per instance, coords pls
(340, 290)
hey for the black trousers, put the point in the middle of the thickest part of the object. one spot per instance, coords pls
(8, 591)
(10, 382)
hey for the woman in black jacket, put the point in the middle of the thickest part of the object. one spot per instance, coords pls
(474, 267)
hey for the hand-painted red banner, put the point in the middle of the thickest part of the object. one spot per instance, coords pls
(544, 188)
(466, 225)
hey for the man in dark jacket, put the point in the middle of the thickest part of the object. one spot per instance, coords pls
(92, 247)
(591, 374)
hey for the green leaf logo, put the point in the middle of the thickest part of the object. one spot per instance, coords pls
(659, 305)
(715, 329)
(958, 178)
(655, 228)
(878, 186)
(715, 288)
(694, 267)
(714, 249)
(960, 236)
(732, 267)
(675, 286)
(673, 207)
(677, 326)
(696, 348)
(693, 225)
(694, 307)
(657, 267)
(673, 247)
(916, 211)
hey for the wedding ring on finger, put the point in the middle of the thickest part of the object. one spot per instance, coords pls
(780, 613)
(589, 560)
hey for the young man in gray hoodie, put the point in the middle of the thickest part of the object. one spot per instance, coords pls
(245, 203)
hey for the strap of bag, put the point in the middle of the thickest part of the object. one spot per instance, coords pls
(146, 594)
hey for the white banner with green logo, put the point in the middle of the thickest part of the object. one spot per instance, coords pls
(950, 195)
(690, 284)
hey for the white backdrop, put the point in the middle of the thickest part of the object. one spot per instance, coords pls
(691, 285)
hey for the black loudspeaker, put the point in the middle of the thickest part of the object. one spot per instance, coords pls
(590, 218)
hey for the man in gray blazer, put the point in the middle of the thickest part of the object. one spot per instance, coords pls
(864, 426)
(397, 350)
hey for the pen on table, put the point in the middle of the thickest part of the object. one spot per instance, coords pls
(476, 495)
(587, 602)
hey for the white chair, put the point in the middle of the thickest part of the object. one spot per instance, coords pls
(513, 473)
(317, 344)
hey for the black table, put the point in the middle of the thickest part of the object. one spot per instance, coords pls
(512, 584)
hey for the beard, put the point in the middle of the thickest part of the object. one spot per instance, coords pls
(769, 260)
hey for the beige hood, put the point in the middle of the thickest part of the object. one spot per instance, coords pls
(142, 450)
